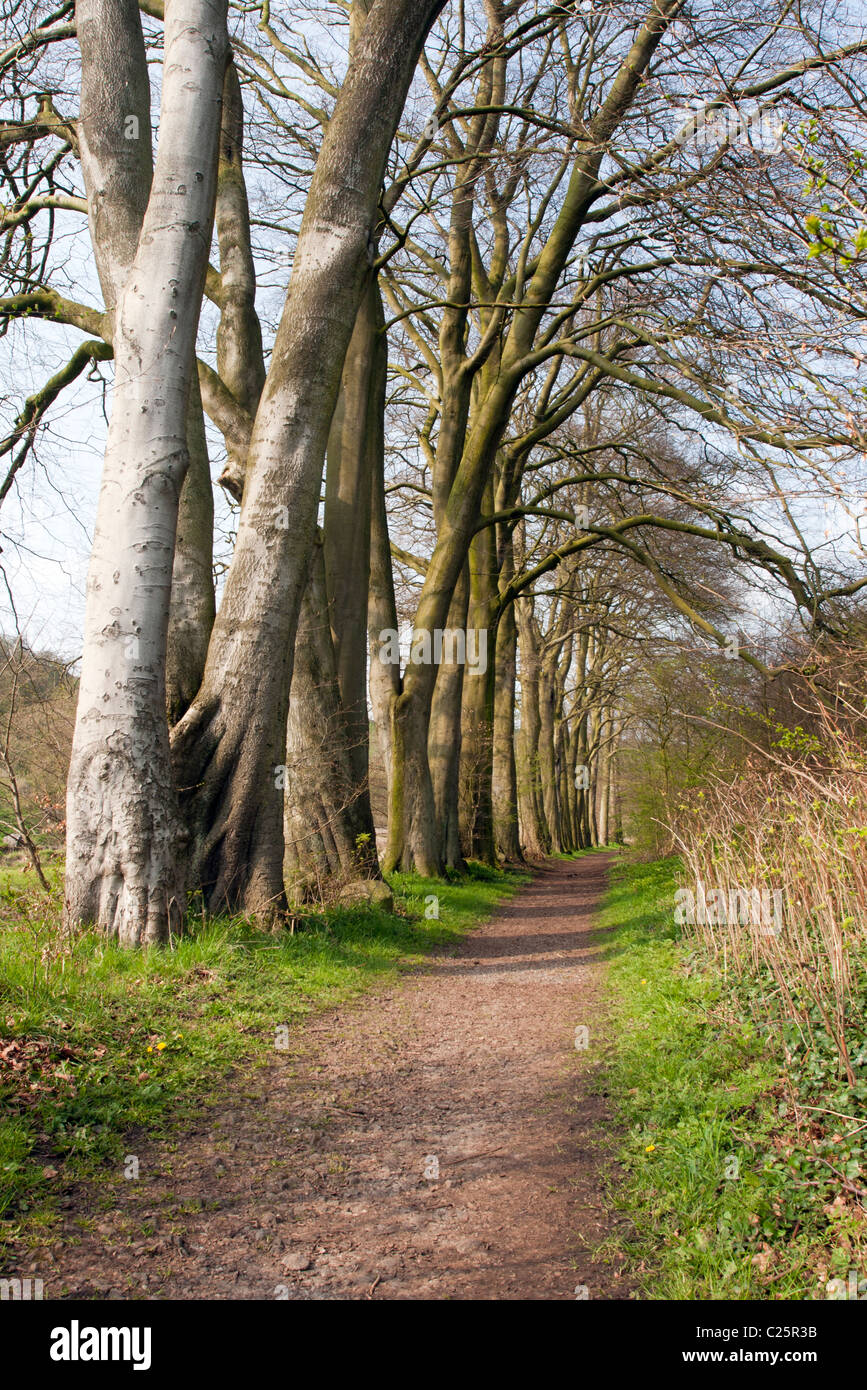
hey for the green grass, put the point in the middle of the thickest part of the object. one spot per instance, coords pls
(98, 1041)
(17, 877)
(729, 1198)
(583, 853)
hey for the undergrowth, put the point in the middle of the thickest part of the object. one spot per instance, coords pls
(745, 1149)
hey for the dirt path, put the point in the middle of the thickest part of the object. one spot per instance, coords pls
(317, 1176)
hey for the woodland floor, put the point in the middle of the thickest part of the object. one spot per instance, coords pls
(306, 1178)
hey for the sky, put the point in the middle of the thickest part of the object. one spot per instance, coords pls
(47, 518)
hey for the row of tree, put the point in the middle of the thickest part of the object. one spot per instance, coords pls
(571, 363)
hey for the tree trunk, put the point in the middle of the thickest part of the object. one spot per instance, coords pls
(384, 676)
(355, 447)
(570, 794)
(548, 771)
(615, 820)
(118, 175)
(329, 839)
(500, 380)
(114, 131)
(124, 860)
(536, 836)
(603, 777)
(593, 761)
(477, 715)
(240, 359)
(233, 737)
(444, 738)
(504, 780)
(583, 793)
(477, 766)
(330, 836)
(193, 607)
(414, 846)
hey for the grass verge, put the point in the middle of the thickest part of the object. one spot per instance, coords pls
(743, 1150)
(95, 1041)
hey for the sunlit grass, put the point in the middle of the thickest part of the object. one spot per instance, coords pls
(101, 1041)
(729, 1198)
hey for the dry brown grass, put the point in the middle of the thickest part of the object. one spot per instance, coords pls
(794, 820)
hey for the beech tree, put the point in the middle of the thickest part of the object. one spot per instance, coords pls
(124, 870)
(608, 320)
(126, 853)
(551, 356)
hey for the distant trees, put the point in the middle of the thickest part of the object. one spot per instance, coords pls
(37, 709)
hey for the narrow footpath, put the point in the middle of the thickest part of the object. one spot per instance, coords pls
(441, 1139)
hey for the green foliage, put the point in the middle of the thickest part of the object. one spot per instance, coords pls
(735, 1187)
(827, 236)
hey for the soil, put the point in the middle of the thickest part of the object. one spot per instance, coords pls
(443, 1138)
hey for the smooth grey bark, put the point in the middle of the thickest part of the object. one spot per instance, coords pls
(240, 358)
(505, 819)
(582, 758)
(504, 773)
(615, 815)
(603, 778)
(124, 836)
(578, 749)
(193, 606)
(444, 738)
(593, 760)
(331, 839)
(117, 164)
(384, 681)
(477, 747)
(114, 132)
(477, 714)
(327, 825)
(233, 737)
(355, 448)
(535, 833)
(413, 842)
(570, 794)
(563, 788)
(548, 753)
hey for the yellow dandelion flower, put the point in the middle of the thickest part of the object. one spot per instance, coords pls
(161, 1047)
(649, 1148)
